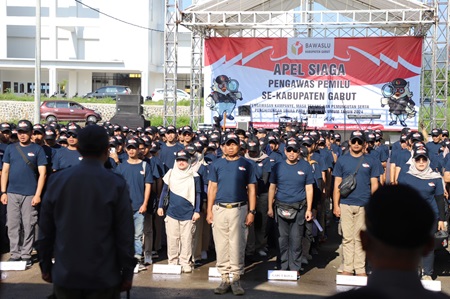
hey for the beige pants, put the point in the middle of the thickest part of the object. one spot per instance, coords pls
(202, 235)
(230, 238)
(179, 241)
(352, 222)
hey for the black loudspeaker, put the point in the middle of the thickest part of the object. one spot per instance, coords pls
(129, 104)
(130, 120)
(245, 110)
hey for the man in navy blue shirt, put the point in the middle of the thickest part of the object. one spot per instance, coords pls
(231, 209)
(169, 148)
(22, 182)
(291, 190)
(351, 208)
(139, 180)
(68, 156)
(86, 224)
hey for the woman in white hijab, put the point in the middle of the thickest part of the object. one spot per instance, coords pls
(430, 185)
(182, 184)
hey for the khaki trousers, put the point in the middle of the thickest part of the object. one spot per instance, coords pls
(202, 235)
(352, 222)
(230, 238)
(179, 241)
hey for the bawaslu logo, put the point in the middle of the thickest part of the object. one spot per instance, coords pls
(310, 48)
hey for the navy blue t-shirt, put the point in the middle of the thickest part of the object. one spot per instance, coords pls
(327, 157)
(426, 188)
(232, 178)
(275, 157)
(291, 180)
(180, 208)
(3, 147)
(22, 179)
(396, 146)
(347, 165)
(136, 178)
(65, 158)
(167, 155)
(382, 151)
(336, 149)
(433, 148)
(265, 168)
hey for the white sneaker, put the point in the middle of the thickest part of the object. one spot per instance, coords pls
(186, 269)
(136, 269)
(204, 255)
(262, 253)
(427, 277)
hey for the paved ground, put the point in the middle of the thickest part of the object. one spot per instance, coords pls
(318, 280)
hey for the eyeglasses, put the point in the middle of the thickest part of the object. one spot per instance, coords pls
(72, 135)
(290, 150)
(186, 134)
(354, 141)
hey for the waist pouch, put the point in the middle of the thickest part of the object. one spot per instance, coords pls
(288, 211)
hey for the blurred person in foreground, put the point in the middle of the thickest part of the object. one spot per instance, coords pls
(86, 224)
(396, 247)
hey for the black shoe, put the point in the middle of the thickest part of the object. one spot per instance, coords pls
(403, 123)
(236, 288)
(224, 286)
(29, 262)
(394, 122)
(11, 259)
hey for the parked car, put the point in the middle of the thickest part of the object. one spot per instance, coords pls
(158, 94)
(109, 92)
(56, 110)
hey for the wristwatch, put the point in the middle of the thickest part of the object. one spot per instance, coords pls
(252, 212)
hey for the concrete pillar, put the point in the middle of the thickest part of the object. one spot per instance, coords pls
(72, 85)
(53, 31)
(145, 89)
(52, 80)
(3, 25)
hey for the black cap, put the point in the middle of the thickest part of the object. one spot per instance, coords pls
(39, 128)
(132, 142)
(415, 136)
(436, 132)
(92, 139)
(231, 137)
(113, 141)
(357, 135)
(5, 127)
(293, 144)
(370, 137)
(117, 127)
(420, 151)
(253, 145)
(73, 128)
(190, 148)
(155, 147)
(414, 226)
(182, 155)
(444, 132)
(171, 129)
(406, 131)
(186, 129)
(50, 133)
(262, 131)
(24, 126)
(273, 138)
(307, 140)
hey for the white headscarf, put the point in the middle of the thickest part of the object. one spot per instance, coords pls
(425, 174)
(181, 182)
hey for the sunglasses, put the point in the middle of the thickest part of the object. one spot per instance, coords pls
(290, 150)
(72, 135)
(421, 159)
(354, 141)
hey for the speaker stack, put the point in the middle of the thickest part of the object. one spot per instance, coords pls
(129, 111)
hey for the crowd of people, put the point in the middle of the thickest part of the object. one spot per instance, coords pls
(232, 190)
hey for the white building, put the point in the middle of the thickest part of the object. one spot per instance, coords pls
(84, 47)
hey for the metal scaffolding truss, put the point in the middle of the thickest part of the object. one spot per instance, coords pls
(349, 18)
(170, 62)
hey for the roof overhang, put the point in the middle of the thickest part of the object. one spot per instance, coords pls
(399, 16)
